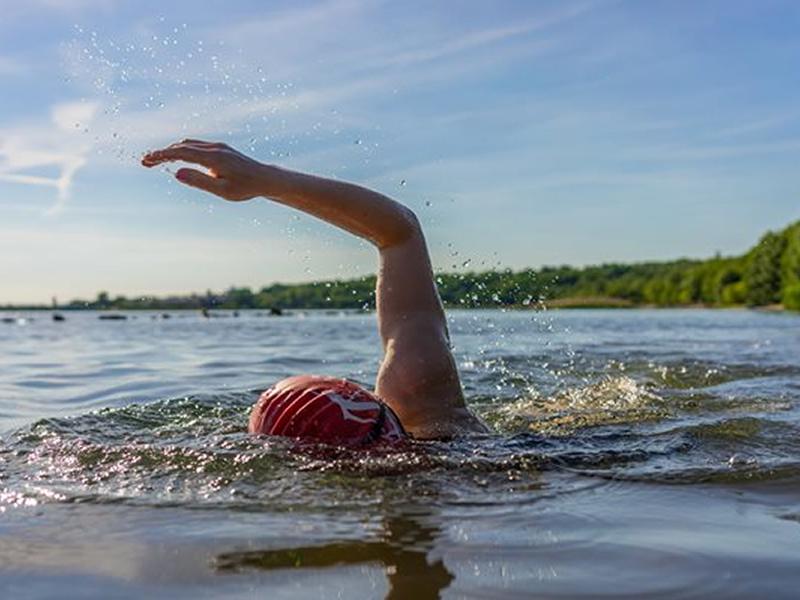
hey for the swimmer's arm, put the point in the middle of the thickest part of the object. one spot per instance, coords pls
(236, 177)
(418, 377)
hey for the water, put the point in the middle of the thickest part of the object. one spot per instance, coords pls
(636, 453)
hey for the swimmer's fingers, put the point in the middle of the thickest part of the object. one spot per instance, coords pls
(232, 175)
(203, 181)
(193, 153)
(201, 143)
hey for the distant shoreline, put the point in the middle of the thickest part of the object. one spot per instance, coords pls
(767, 277)
(556, 304)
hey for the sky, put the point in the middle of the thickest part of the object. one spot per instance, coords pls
(523, 133)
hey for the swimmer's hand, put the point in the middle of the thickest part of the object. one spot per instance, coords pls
(229, 173)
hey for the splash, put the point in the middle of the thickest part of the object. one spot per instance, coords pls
(612, 400)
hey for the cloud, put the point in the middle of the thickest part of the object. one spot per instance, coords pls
(297, 20)
(760, 125)
(483, 37)
(72, 115)
(27, 152)
(697, 152)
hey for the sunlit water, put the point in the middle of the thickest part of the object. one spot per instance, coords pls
(636, 453)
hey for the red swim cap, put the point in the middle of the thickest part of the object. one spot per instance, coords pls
(326, 409)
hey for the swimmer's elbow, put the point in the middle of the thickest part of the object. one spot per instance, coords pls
(411, 227)
(405, 227)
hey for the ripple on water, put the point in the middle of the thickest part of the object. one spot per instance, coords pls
(193, 451)
(546, 506)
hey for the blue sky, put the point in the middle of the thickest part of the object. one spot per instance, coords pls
(522, 133)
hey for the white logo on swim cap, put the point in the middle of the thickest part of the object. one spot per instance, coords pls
(347, 406)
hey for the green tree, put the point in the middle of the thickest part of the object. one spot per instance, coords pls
(763, 272)
(791, 297)
(790, 263)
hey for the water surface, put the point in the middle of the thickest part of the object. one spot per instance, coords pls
(636, 453)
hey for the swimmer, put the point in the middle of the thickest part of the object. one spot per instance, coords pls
(417, 390)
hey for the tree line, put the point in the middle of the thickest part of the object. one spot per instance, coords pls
(768, 274)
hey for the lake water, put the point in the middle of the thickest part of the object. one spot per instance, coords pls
(636, 453)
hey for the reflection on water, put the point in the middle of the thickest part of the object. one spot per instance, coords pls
(402, 552)
(134, 431)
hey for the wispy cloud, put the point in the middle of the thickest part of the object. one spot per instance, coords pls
(473, 40)
(27, 152)
(675, 153)
(764, 123)
(295, 21)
